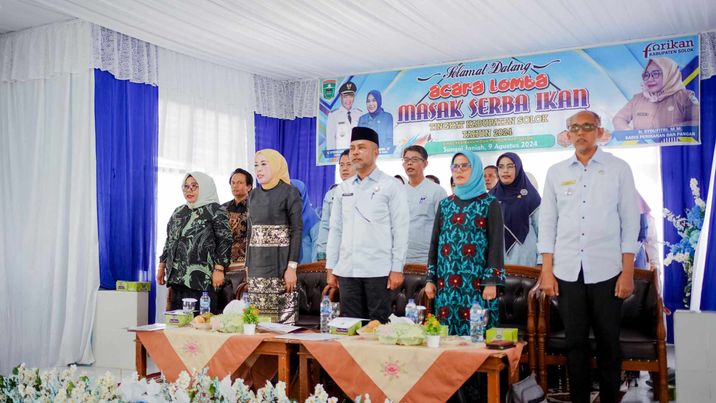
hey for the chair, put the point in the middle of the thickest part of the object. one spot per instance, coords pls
(311, 284)
(518, 308)
(642, 340)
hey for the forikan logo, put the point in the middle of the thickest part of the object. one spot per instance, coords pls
(667, 47)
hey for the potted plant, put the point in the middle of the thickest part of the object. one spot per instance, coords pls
(432, 329)
(251, 318)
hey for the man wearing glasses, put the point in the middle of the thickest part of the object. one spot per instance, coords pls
(588, 230)
(368, 236)
(423, 199)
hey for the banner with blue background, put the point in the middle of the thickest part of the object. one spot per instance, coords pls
(647, 93)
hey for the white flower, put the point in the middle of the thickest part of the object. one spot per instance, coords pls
(226, 391)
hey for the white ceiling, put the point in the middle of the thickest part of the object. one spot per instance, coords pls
(324, 38)
(17, 15)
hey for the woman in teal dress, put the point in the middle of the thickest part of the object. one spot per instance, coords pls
(466, 260)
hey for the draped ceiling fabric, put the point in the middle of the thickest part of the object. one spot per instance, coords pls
(286, 99)
(48, 244)
(326, 38)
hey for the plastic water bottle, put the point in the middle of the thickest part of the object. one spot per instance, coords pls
(204, 303)
(411, 311)
(326, 311)
(477, 323)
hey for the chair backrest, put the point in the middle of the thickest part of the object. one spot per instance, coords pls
(311, 282)
(415, 279)
(514, 301)
(641, 310)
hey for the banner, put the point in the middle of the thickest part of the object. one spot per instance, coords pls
(647, 93)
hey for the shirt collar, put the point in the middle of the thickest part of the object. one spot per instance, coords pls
(374, 176)
(598, 157)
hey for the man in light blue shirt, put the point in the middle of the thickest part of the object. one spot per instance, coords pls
(368, 236)
(588, 230)
(346, 171)
(423, 199)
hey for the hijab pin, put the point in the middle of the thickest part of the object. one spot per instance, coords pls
(523, 192)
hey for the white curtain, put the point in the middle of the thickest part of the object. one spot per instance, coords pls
(125, 57)
(206, 123)
(49, 268)
(286, 99)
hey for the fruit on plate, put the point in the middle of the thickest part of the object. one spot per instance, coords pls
(203, 318)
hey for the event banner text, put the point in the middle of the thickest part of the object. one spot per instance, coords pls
(646, 93)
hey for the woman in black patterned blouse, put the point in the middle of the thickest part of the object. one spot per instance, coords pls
(198, 245)
(275, 232)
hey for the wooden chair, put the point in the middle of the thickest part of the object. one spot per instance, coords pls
(518, 308)
(642, 340)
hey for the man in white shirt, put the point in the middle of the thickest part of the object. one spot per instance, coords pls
(588, 230)
(346, 171)
(368, 236)
(423, 199)
(342, 120)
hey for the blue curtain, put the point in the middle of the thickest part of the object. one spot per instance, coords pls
(296, 141)
(678, 165)
(127, 128)
(708, 128)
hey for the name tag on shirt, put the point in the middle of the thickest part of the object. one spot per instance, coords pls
(568, 183)
(347, 194)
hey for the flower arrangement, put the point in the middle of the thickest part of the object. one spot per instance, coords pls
(251, 315)
(689, 229)
(32, 385)
(432, 325)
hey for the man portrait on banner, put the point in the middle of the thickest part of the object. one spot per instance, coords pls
(342, 120)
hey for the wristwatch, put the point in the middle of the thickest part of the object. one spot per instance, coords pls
(292, 265)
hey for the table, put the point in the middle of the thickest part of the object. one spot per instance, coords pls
(234, 350)
(345, 372)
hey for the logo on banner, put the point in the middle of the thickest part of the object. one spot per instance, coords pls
(329, 89)
(668, 47)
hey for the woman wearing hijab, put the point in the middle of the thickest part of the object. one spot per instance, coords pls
(198, 245)
(275, 229)
(311, 222)
(377, 118)
(519, 202)
(465, 263)
(663, 102)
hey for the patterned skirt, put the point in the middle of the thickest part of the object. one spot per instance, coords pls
(270, 297)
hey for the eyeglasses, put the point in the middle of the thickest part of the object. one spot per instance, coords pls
(587, 127)
(190, 188)
(461, 167)
(508, 166)
(413, 160)
(654, 74)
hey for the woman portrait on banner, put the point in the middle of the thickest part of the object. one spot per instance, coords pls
(198, 245)
(466, 259)
(519, 202)
(275, 229)
(663, 102)
(377, 118)
(311, 224)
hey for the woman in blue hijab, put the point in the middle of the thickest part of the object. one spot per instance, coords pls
(310, 225)
(465, 263)
(520, 202)
(378, 119)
